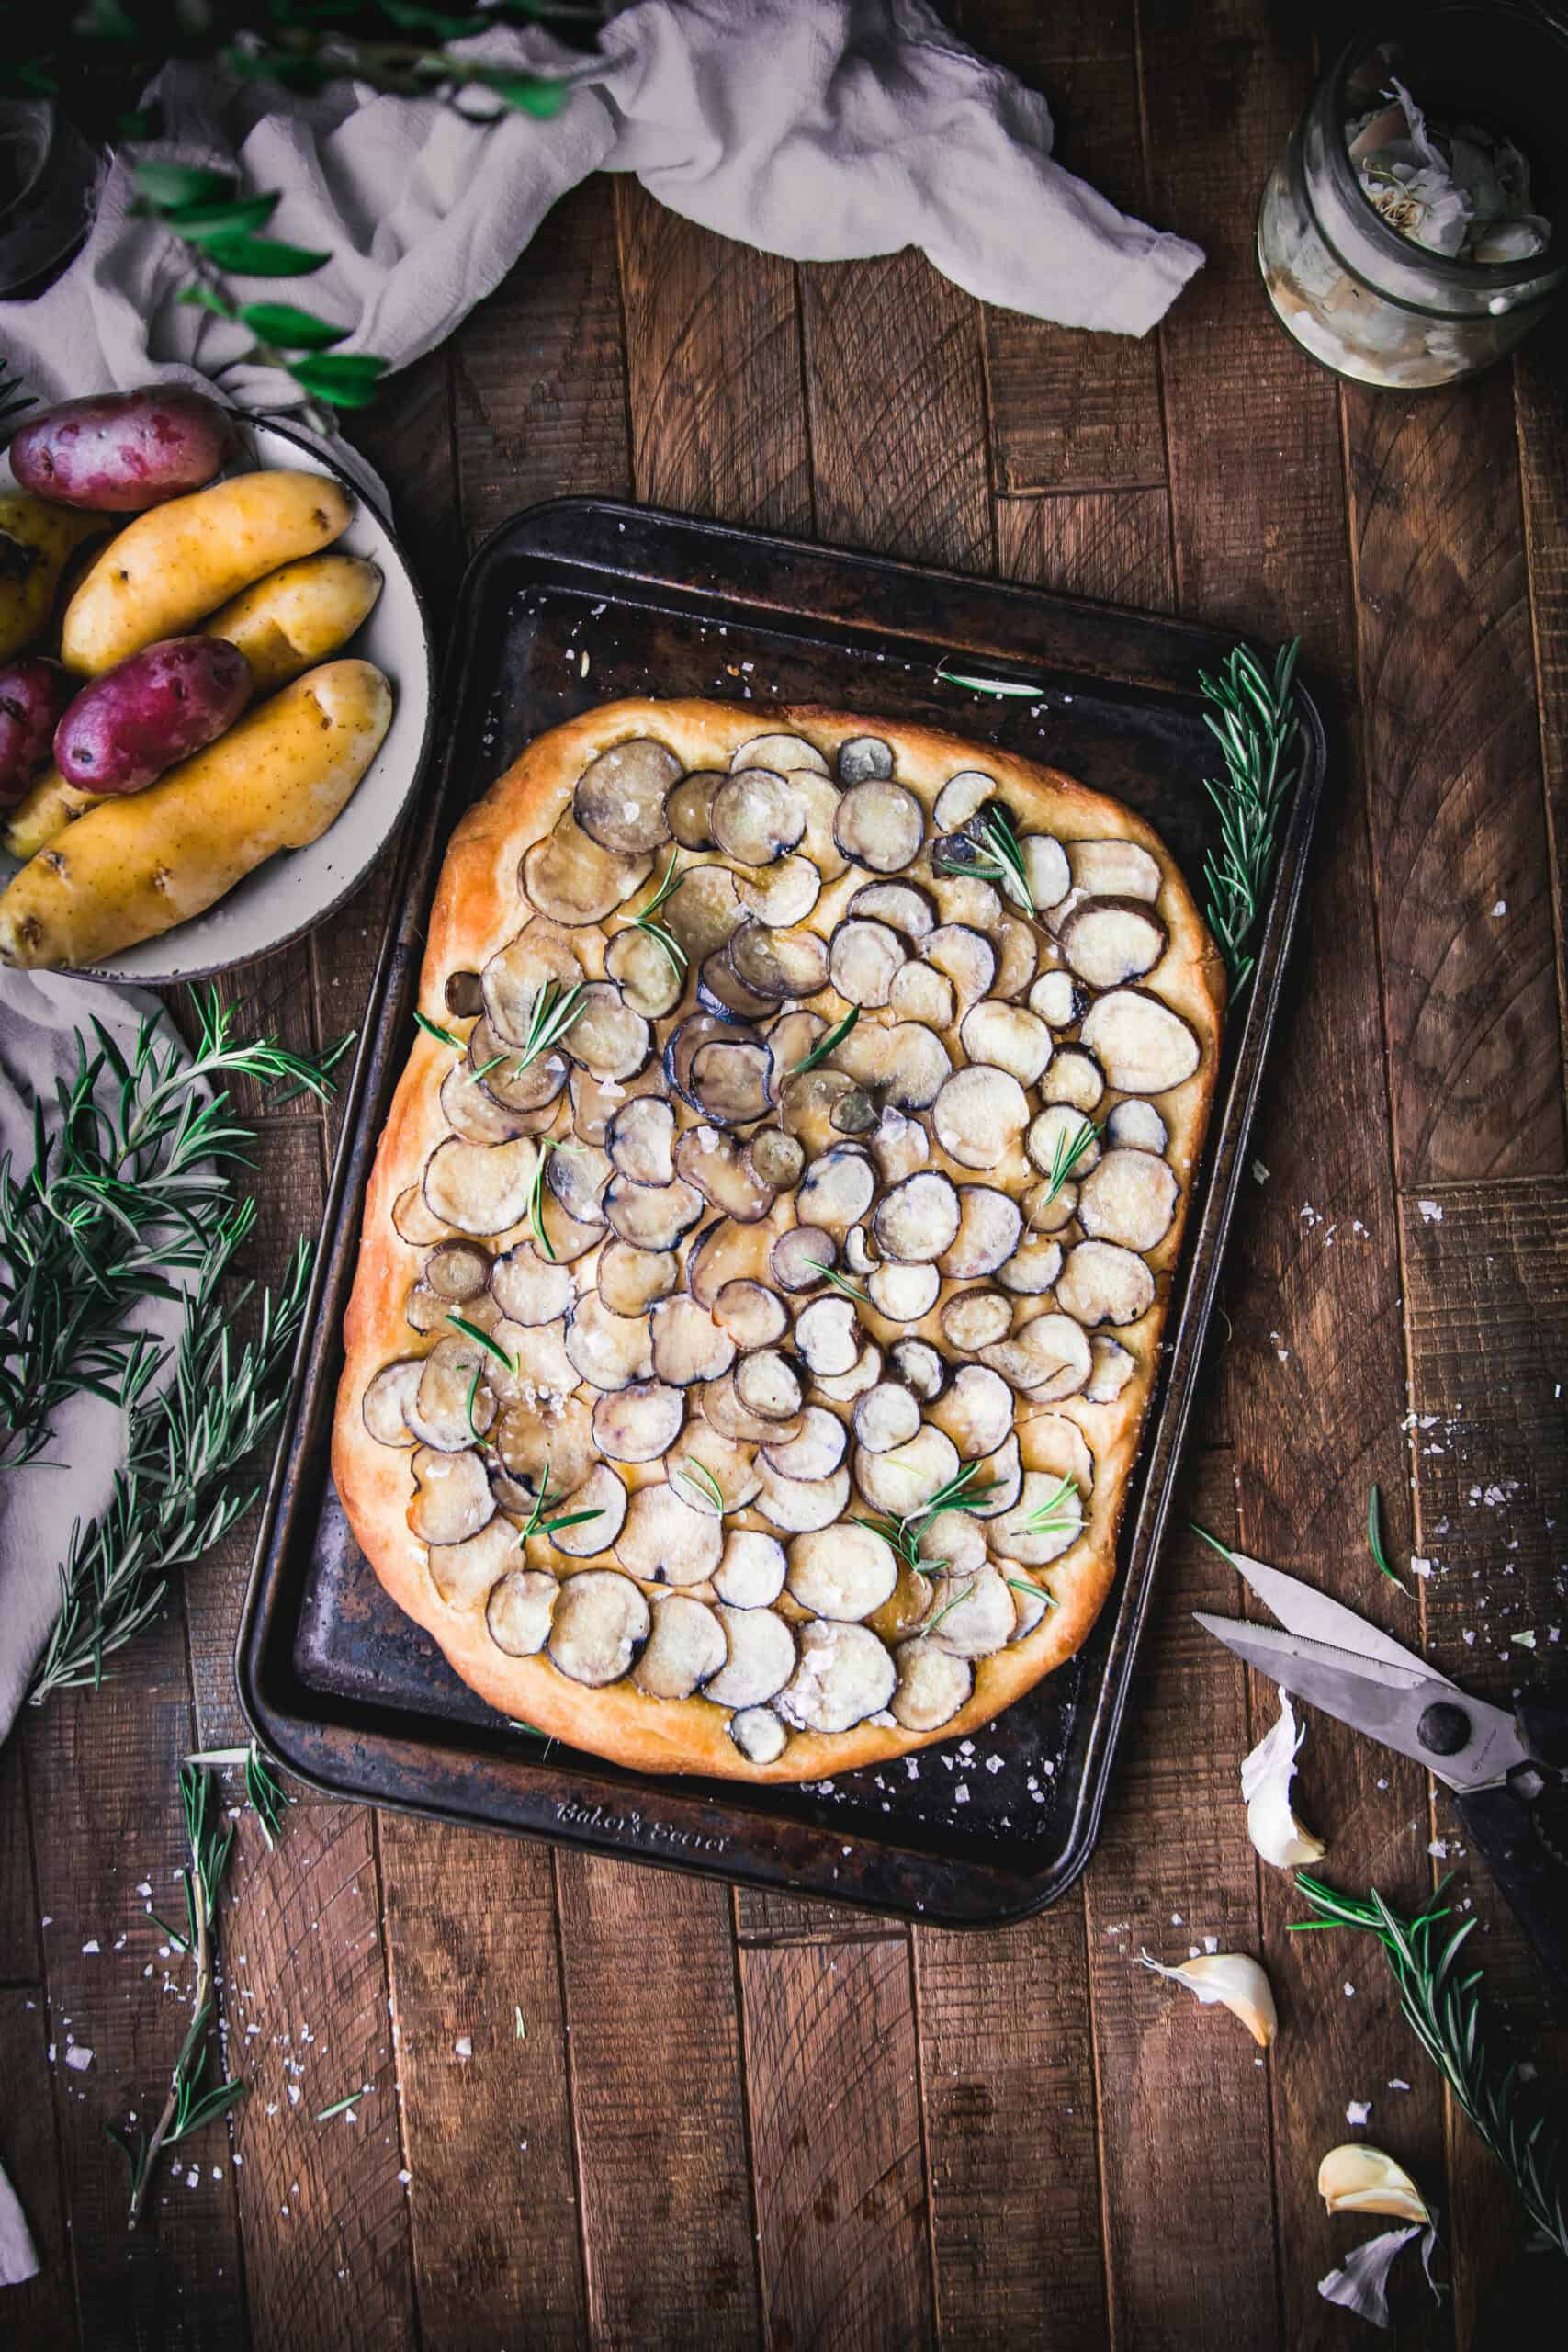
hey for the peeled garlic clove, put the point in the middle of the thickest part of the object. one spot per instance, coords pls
(1356, 2178)
(1231, 1978)
(1266, 1778)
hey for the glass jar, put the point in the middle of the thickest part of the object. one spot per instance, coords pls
(1366, 300)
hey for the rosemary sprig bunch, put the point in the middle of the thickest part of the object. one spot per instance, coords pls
(826, 1044)
(1443, 2010)
(550, 1015)
(662, 936)
(1254, 720)
(188, 2106)
(180, 1490)
(128, 1192)
(1066, 1154)
(998, 858)
(904, 1534)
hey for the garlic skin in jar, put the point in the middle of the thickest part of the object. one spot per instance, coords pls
(1232, 1979)
(1266, 1777)
(1357, 2178)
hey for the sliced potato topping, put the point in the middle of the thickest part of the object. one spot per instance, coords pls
(726, 1284)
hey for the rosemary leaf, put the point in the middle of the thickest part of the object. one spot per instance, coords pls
(1052, 1517)
(662, 936)
(1443, 2010)
(701, 1480)
(441, 1036)
(840, 1280)
(826, 1044)
(1254, 720)
(1066, 1155)
(1375, 1542)
(342, 2106)
(1029, 690)
(480, 1340)
(550, 1015)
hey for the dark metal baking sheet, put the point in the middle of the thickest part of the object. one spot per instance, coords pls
(568, 605)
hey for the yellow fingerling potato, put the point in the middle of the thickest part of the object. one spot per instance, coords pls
(37, 540)
(287, 623)
(177, 562)
(135, 866)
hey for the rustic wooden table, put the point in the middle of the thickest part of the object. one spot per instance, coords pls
(725, 2119)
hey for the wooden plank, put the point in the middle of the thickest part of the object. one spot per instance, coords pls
(655, 2065)
(21, 1953)
(1071, 410)
(325, 2211)
(1487, 1306)
(1540, 381)
(42, 2314)
(1008, 2066)
(1453, 761)
(553, 421)
(1315, 1371)
(836, 2144)
(1175, 1873)
(103, 1769)
(1113, 544)
(714, 367)
(288, 1188)
(471, 1927)
(898, 411)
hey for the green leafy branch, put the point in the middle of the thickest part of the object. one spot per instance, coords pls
(989, 850)
(1443, 2010)
(221, 232)
(1254, 719)
(188, 2106)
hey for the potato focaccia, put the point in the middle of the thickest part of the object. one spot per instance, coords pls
(765, 1259)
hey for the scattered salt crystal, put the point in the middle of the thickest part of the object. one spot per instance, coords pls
(1523, 1641)
(79, 2057)
(1501, 908)
(1420, 1566)
(1260, 1173)
(1439, 1849)
(1210, 1943)
(960, 1797)
(1350, 1991)
(1175, 1920)
(405, 2177)
(91, 1944)
(144, 1888)
(1397, 2083)
(464, 2045)
(1359, 2110)
(1431, 1211)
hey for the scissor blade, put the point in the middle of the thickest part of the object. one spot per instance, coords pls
(1385, 1698)
(1301, 1608)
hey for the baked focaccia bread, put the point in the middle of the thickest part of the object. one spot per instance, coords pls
(730, 1389)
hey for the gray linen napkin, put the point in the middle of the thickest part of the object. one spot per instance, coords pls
(821, 130)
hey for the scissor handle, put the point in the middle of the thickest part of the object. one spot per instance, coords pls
(1521, 1827)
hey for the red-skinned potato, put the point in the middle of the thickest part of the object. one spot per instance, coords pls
(34, 692)
(164, 703)
(117, 453)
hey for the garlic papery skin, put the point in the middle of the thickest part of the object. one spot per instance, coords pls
(1361, 2284)
(1356, 2178)
(1266, 1777)
(1231, 1978)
